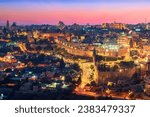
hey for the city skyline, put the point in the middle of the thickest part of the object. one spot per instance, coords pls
(75, 11)
(45, 56)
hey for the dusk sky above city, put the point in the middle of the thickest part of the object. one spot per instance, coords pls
(71, 11)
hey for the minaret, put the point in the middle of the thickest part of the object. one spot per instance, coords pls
(96, 71)
(7, 24)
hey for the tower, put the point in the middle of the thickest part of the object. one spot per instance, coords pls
(94, 56)
(7, 24)
(96, 71)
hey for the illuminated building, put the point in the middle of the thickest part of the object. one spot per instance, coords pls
(82, 38)
(105, 25)
(114, 25)
(123, 39)
(30, 37)
(118, 26)
(147, 27)
(8, 58)
(36, 34)
(146, 49)
(51, 35)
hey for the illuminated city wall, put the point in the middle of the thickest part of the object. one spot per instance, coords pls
(79, 49)
(110, 76)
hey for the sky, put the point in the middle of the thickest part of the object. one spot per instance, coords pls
(74, 11)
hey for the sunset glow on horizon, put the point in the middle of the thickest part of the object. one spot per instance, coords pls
(75, 11)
